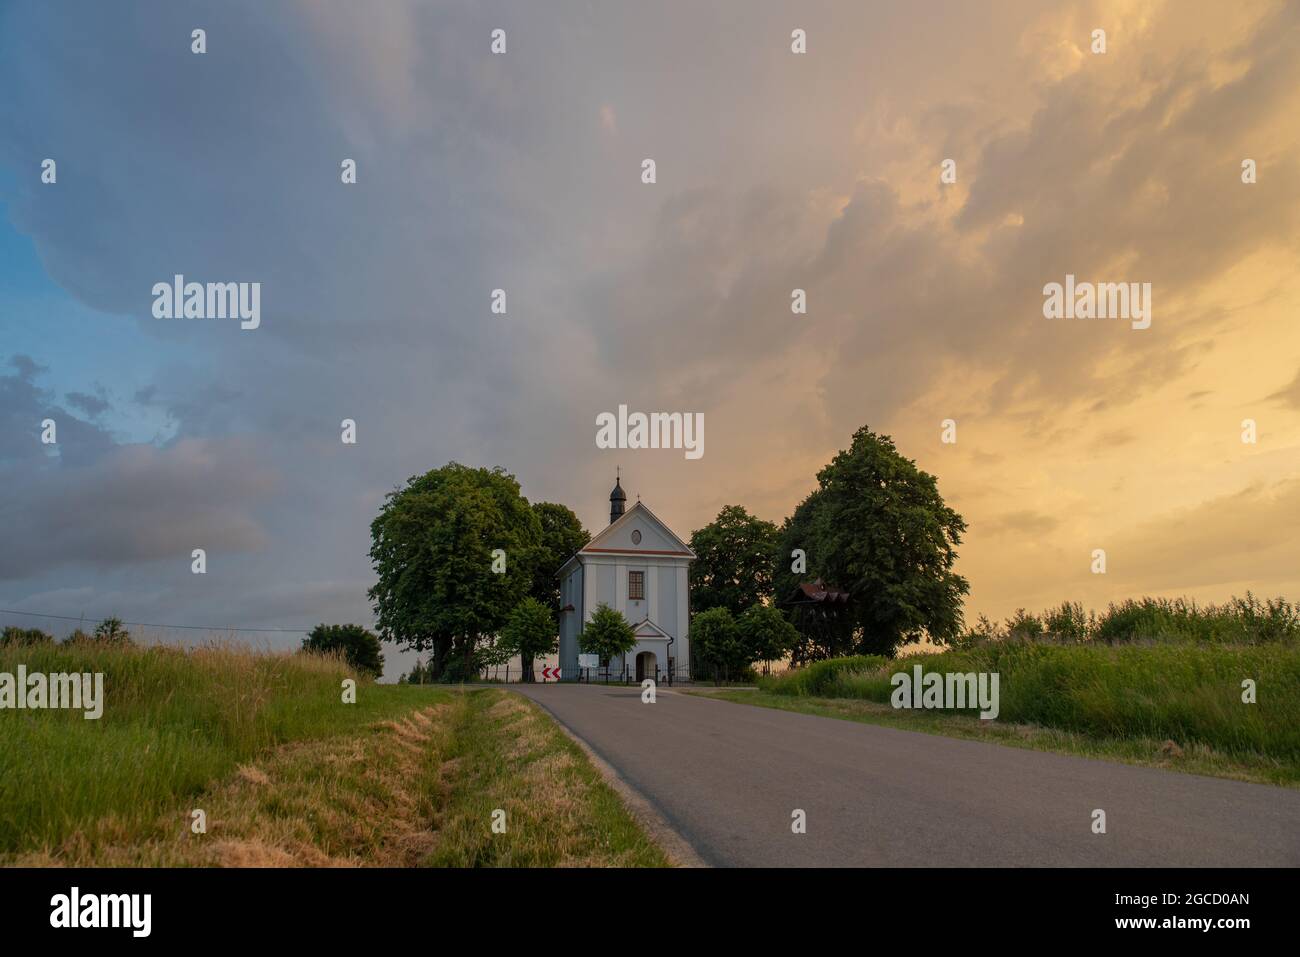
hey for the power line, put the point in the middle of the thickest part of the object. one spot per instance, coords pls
(148, 624)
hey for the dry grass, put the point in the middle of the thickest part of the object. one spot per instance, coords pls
(174, 723)
(365, 800)
(559, 811)
(415, 790)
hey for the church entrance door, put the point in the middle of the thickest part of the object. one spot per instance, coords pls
(645, 666)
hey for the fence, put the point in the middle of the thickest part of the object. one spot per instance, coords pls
(609, 676)
(506, 674)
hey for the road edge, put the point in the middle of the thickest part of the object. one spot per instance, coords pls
(676, 848)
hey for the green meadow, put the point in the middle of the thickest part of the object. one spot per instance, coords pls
(1153, 681)
(288, 774)
(173, 722)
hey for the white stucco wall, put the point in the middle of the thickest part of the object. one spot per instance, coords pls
(600, 575)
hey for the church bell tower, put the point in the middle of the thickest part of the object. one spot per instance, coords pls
(616, 500)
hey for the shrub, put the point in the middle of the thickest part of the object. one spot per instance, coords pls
(13, 635)
(823, 678)
(359, 647)
(607, 634)
(1240, 621)
(112, 631)
(764, 634)
(716, 646)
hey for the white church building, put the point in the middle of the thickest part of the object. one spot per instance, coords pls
(638, 566)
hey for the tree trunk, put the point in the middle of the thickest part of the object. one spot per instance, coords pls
(470, 642)
(438, 661)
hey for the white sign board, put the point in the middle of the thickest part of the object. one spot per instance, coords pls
(588, 661)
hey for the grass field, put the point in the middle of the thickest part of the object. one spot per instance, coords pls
(1125, 702)
(287, 774)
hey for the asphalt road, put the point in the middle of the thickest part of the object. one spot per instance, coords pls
(727, 777)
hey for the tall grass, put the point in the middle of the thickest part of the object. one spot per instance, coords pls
(1184, 692)
(174, 721)
(1238, 621)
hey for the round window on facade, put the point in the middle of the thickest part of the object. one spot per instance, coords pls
(636, 536)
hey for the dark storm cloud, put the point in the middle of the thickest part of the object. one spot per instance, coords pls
(1098, 183)
(226, 167)
(27, 367)
(137, 504)
(521, 172)
(91, 405)
(86, 500)
(24, 405)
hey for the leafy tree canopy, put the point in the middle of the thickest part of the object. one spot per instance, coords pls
(607, 634)
(13, 635)
(715, 643)
(765, 634)
(733, 565)
(529, 633)
(877, 527)
(359, 646)
(440, 587)
(112, 630)
(562, 535)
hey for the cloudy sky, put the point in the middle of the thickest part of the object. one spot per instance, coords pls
(522, 171)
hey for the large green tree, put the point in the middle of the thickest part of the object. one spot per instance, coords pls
(733, 564)
(877, 527)
(529, 633)
(443, 586)
(359, 646)
(562, 535)
(824, 632)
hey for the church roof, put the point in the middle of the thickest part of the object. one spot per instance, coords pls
(645, 628)
(638, 509)
(594, 547)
